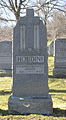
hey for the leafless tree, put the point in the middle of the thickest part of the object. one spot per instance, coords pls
(45, 8)
(42, 7)
(57, 26)
(14, 6)
(6, 33)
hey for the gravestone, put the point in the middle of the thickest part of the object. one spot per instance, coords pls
(6, 56)
(30, 70)
(51, 49)
(60, 58)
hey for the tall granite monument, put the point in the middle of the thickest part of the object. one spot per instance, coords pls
(60, 58)
(30, 70)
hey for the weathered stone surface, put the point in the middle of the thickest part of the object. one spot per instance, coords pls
(37, 105)
(6, 57)
(30, 68)
(60, 58)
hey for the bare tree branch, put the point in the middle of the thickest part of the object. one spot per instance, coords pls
(6, 20)
(13, 6)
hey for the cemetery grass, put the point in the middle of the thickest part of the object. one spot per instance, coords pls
(57, 89)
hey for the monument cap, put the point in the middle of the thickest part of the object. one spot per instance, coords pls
(29, 12)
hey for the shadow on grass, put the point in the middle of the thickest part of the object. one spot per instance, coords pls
(59, 91)
(3, 112)
(51, 76)
(5, 75)
(2, 92)
(56, 113)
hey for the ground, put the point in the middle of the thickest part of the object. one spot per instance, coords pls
(57, 89)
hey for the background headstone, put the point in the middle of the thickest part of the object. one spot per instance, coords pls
(60, 58)
(30, 69)
(6, 56)
(51, 49)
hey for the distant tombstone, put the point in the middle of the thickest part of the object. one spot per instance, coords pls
(60, 58)
(30, 69)
(6, 55)
(51, 49)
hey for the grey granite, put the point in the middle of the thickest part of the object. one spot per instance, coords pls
(30, 68)
(31, 105)
(6, 56)
(60, 58)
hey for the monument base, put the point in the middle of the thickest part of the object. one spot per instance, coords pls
(59, 72)
(30, 105)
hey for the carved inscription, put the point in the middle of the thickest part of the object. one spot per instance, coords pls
(30, 59)
(32, 66)
(62, 60)
(30, 69)
(5, 60)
